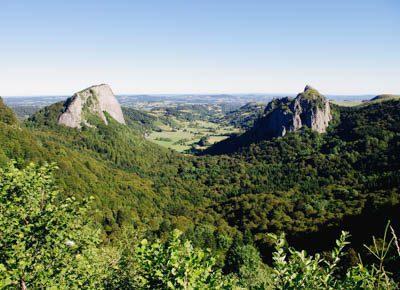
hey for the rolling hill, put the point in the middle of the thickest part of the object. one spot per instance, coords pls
(306, 183)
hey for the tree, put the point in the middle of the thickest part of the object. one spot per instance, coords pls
(44, 239)
(246, 263)
(6, 114)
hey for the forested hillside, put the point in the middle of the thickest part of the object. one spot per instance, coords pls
(135, 182)
(317, 179)
(244, 116)
(306, 184)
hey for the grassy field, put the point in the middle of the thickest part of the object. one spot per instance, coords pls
(187, 134)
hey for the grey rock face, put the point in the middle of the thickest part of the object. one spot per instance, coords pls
(94, 100)
(309, 109)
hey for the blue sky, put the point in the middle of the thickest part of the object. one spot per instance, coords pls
(203, 46)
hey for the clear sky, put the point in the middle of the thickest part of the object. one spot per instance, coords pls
(199, 46)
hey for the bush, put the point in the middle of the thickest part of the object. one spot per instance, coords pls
(296, 270)
(45, 242)
(178, 265)
(44, 239)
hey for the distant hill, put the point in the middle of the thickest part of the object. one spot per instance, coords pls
(385, 97)
(308, 184)
(140, 120)
(244, 116)
(24, 112)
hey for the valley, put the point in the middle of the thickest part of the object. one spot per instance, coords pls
(200, 145)
(193, 135)
(302, 166)
(184, 123)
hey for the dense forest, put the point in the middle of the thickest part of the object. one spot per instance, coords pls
(233, 204)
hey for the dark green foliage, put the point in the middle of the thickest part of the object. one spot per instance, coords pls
(6, 114)
(307, 184)
(203, 141)
(47, 116)
(384, 97)
(311, 185)
(245, 116)
(245, 262)
(140, 120)
(24, 112)
(133, 181)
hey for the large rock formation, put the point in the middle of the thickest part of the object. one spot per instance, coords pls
(309, 109)
(95, 100)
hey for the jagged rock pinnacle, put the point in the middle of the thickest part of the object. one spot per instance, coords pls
(309, 109)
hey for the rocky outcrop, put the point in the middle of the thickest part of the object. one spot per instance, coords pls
(309, 109)
(95, 100)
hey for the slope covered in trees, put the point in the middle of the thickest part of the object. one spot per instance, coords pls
(47, 242)
(306, 184)
(244, 116)
(6, 114)
(134, 181)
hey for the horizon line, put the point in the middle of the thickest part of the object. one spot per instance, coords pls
(196, 94)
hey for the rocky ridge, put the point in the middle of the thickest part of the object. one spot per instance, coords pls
(95, 100)
(309, 109)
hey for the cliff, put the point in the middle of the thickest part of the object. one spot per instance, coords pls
(95, 100)
(309, 109)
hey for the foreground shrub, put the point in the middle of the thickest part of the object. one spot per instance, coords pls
(178, 265)
(44, 239)
(46, 242)
(297, 270)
